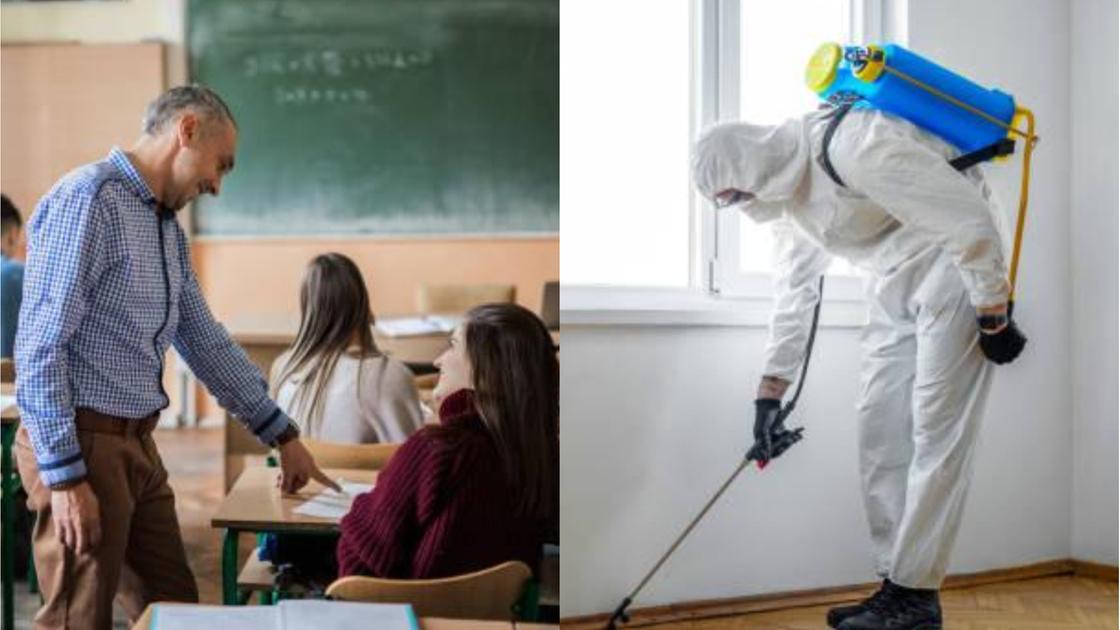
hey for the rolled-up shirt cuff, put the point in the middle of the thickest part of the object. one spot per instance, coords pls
(62, 469)
(268, 423)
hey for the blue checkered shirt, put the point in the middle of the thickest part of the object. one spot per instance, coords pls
(108, 287)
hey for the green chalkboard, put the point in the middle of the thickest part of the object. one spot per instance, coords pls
(390, 117)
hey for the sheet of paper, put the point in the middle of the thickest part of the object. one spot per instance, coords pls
(7, 401)
(353, 488)
(415, 326)
(169, 617)
(331, 504)
(297, 614)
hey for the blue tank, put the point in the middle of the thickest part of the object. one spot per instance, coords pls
(836, 73)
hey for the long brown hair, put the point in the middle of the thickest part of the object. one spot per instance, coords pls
(517, 392)
(334, 308)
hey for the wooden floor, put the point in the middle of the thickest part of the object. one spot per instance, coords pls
(1057, 603)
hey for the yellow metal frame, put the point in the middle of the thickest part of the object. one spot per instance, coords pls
(1024, 187)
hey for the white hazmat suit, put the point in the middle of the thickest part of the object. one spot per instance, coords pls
(934, 246)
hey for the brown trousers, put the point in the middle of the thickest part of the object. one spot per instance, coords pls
(140, 559)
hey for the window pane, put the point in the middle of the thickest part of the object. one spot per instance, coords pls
(776, 41)
(624, 143)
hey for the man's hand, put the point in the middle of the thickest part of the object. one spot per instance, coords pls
(77, 517)
(996, 313)
(1000, 339)
(297, 467)
(771, 437)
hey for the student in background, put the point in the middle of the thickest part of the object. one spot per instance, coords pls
(11, 274)
(334, 381)
(481, 488)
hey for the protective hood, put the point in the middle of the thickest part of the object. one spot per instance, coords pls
(769, 162)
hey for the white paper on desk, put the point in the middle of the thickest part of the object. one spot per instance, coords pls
(331, 504)
(353, 488)
(7, 401)
(304, 614)
(171, 617)
(416, 326)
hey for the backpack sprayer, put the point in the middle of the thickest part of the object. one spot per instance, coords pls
(982, 123)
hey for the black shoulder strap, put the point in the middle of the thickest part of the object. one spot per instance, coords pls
(837, 115)
(1005, 146)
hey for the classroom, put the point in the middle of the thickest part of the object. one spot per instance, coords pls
(356, 207)
(688, 312)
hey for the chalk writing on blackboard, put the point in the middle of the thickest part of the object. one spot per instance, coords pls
(333, 63)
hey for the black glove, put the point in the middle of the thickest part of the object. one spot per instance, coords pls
(771, 438)
(1003, 346)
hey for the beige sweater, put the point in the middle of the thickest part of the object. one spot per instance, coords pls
(382, 407)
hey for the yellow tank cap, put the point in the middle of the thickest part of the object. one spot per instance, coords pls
(821, 71)
(874, 66)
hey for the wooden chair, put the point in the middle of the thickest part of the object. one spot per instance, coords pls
(550, 305)
(361, 456)
(425, 385)
(460, 298)
(500, 592)
(7, 371)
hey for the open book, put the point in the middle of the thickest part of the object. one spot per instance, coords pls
(289, 614)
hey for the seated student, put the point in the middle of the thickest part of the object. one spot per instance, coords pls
(11, 274)
(333, 381)
(480, 488)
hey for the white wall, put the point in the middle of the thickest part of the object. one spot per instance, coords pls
(654, 418)
(1093, 210)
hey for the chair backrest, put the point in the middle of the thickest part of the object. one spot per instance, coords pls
(361, 456)
(550, 305)
(7, 371)
(487, 594)
(425, 386)
(460, 298)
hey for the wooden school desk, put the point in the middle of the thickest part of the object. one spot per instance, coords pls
(9, 422)
(255, 504)
(426, 623)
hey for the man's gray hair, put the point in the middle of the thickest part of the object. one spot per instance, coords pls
(200, 99)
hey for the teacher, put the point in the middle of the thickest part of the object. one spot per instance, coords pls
(108, 288)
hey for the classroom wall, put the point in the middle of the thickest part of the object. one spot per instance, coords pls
(100, 23)
(656, 417)
(1093, 221)
(393, 269)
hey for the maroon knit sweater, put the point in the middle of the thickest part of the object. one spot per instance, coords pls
(441, 507)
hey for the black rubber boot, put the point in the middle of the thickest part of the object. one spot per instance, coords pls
(899, 608)
(837, 615)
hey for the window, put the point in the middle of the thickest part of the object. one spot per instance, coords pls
(774, 41)
(624, 149)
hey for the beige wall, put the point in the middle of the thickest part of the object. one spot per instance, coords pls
(247, 278)
(100, 23)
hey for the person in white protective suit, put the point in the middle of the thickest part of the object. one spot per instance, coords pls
(933, 244)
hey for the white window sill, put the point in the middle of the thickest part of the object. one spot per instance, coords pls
(632, 306)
